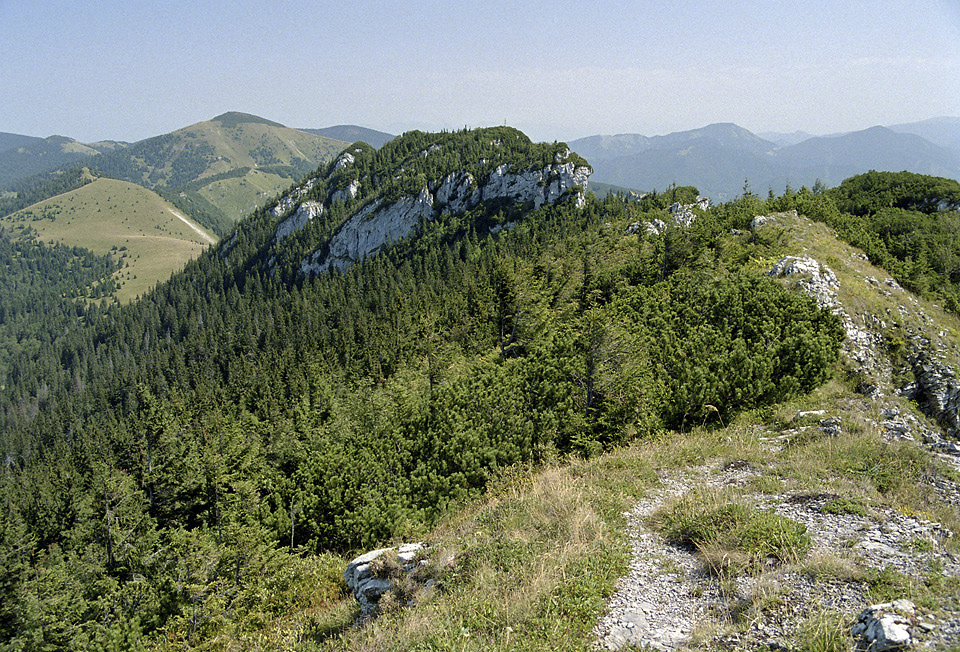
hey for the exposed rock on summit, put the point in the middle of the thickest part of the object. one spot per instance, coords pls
(370, 576)
(376, 225)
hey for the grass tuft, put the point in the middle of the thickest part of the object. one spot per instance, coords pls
(731, 535)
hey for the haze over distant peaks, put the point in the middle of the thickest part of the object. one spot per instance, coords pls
(944, 132)
(354, 133)
(719, 158)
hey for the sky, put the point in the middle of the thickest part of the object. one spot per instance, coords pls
(558, 70)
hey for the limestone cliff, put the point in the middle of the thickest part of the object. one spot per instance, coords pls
(386, 195)
(376, 224)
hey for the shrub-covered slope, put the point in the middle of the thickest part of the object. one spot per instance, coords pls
(178, 467)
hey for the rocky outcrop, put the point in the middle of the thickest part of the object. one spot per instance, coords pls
(290, 199)
(683, 214)
(377, 225)
(343, 161)
(539, 186)
(457, 192)
(371, 229)
(820, 283)
(299, 219)
(883, 627)
(347, 193)
(370, 576)
(815, 280)
(936, 389)
(653, 227)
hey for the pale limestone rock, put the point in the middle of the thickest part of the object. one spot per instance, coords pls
(374, 226)
(307, 211)
(457, 192)
(343, 161)
(368, 231)
(818, 281)
(883, 627)
(348, 193)
(290, 199)
(365, 586)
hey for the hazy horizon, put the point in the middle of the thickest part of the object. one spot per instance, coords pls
(557, 71)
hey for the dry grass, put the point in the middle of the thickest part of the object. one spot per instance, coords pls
(528, 568)
(120, 219)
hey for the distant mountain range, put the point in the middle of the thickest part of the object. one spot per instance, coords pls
(720, 159)
(215, 171)
(354, 133)
(25, 156)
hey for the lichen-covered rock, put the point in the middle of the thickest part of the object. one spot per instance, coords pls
(367, 586)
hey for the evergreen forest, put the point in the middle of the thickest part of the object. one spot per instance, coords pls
(169, 467)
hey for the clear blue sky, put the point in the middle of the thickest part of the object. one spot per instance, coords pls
(558, 70)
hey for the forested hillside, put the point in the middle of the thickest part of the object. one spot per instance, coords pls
(23, 157)
(215, 171)
(173, 468)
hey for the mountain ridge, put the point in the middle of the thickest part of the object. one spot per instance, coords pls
(505, 383)
(718, 158)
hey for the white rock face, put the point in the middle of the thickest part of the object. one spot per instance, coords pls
(306, 212)
(458, 192)
(368, 231)
(347, 193)
(374, 226)
(291, 198)
(540, 186)
(343, 161)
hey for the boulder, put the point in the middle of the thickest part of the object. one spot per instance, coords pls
(369, 581)
(883, 627)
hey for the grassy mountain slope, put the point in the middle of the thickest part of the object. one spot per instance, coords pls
(150, 236)
(214, 171)
(249, 159)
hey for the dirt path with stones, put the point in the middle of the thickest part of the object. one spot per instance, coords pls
(669, 602)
